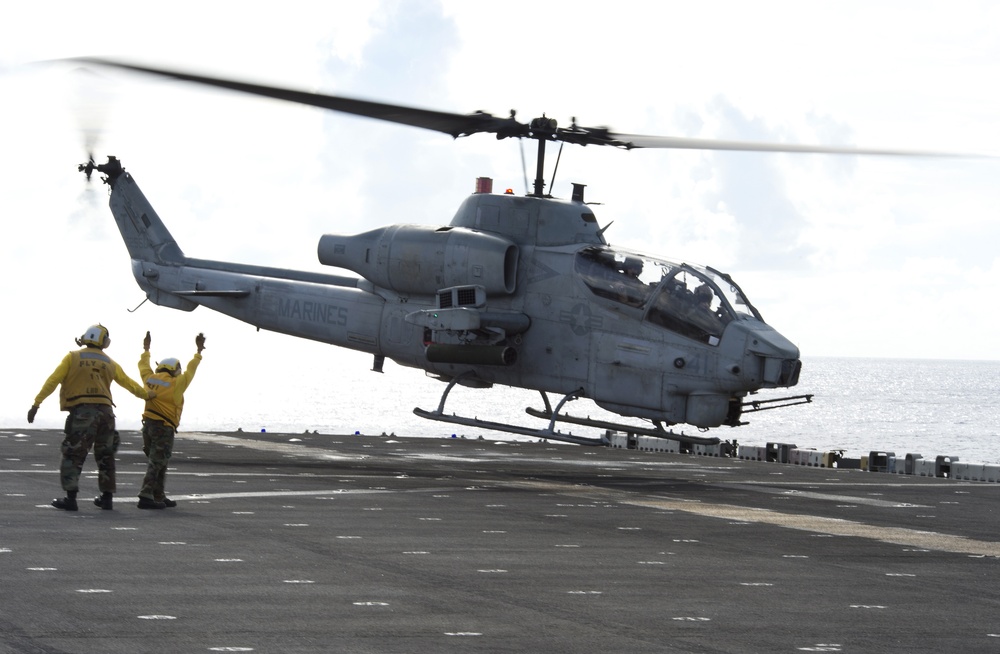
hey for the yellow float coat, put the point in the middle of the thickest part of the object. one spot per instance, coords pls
(169, 400)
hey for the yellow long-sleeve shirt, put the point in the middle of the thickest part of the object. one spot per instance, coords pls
(169, 401)
(85, 377)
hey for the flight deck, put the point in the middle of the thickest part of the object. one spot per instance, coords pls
(361, 543)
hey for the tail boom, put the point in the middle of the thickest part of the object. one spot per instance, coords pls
(321, 307)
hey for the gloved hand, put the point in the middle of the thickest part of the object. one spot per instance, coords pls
(199, 342)
(31, 413)
(146, 341)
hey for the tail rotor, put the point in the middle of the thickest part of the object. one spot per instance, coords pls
(88, 168)
(91, 97)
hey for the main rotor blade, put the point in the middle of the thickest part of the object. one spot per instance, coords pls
(541, 129)
(681, 143)
(450, 123)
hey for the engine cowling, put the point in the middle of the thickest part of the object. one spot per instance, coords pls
(421, 259)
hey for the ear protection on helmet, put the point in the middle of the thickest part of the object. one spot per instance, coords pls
(96, 335)
(171, 365)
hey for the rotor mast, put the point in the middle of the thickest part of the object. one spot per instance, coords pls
(540, 158)
(541, 129)
(540, 167)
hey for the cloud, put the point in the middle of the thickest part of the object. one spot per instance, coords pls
(847, 256)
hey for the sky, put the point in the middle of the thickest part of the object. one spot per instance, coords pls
(847, 256)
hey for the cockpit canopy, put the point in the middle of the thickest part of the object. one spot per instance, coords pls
(694, 301)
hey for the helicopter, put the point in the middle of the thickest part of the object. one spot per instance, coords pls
(522, 291)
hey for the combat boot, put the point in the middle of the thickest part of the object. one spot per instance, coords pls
(65, 503)
(104, 501)
(146, 503)
(169, 503)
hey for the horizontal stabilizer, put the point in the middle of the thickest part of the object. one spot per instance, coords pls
(233, 293)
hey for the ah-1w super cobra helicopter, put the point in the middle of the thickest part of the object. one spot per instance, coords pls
(519, 291)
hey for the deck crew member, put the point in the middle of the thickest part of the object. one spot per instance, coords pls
(85, 378)
(161, 417)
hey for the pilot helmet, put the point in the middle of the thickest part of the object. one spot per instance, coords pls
(171, 365)
(633, 266)
(96, 335)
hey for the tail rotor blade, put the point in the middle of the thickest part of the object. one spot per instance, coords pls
(91, 98)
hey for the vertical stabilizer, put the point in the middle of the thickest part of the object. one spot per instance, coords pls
(145, 235)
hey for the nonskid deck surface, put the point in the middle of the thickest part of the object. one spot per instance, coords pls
(321, 543)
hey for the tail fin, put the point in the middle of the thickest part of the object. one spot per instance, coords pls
(145, 235)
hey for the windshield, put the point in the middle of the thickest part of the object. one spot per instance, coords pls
(691, 300)
(733, 293)
(623, 278)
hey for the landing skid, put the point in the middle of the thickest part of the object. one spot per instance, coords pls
(658, 431)
(549, 433)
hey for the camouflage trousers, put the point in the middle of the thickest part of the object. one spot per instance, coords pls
(89, 425)
(157, 445)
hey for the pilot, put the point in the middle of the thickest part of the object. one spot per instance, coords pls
(702, 314)
(629, 291)
(703, 297)
(85, 377)
(632, 267)
(161, 417)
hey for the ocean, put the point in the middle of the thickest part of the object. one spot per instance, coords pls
(928, 407)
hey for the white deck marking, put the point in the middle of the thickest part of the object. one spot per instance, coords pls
(317, 492)
(267, 446)
(803, 522)
(788, 494)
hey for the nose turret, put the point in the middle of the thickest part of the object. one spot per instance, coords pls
(771, 360)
